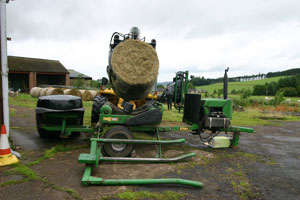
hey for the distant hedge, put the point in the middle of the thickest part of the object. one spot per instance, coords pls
(288, 72)
(290, 86)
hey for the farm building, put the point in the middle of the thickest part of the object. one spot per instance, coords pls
(77, 78)
(26, 73)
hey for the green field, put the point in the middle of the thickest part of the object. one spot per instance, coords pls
(238, 85)
(251, 116)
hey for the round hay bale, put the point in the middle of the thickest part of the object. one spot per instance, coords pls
(43, 92)
(135, 68)
(54, 91)
(72, 92)
(81, 91)
(94, 93)
(35, 92)
(88, 95)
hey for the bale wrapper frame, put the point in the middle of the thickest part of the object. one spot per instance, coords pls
(115, 116)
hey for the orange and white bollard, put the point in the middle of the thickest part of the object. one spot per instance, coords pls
(6, 158)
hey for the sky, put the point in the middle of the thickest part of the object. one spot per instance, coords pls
(203, 37)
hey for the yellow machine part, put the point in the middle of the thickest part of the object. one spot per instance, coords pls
(118, 101)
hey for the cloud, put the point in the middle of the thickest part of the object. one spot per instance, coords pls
(204, 37)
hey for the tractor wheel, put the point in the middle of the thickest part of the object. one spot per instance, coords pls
(118, 150)
(99, 101)
(42, 132)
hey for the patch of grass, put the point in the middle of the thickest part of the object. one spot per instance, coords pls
(250, 156)
(172, 115)
(205, 159)
(253, 117)
(14, 182)
(188, 164)
(248, 118)
(143, 136)
(50, 153)
(241, 185)
(23, 100)
(31, 175)
(271, 162)
(132, 195)
(12, 112)
(70, 191)
(24, 170)
(88, 112)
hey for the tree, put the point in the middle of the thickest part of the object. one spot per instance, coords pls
(245, 94)
(259, 90)
(160, 86)
(289, 91)
(220, 92)
(191, 86)
(278, 99)
(79, 82)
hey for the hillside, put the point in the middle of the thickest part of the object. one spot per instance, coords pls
(238, 85)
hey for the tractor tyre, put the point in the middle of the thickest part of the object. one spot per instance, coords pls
(44, 133)
(118, 150)
(99, 101)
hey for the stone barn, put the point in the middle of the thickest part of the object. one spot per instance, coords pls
(26, 73)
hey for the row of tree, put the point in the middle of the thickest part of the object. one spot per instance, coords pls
(288, 72)
(289, 86)
(198, 81)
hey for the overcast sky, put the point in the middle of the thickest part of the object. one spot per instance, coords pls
(204, 37)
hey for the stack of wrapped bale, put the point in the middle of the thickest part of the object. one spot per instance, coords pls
(35, 92)
(54, 91)
(88, 95)
(72, 92)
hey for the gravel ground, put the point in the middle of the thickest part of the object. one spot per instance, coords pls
(265, 166)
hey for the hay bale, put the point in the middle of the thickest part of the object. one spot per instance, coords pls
(81, 91)
(35, 92)
(72, 92)
(88, 95)
(94, 93)
(54, 91)
(43, 92)
(135, 65)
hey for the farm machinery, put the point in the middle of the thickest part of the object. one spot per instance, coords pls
(129, 108)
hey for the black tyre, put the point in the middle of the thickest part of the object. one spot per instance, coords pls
(42, 132)
(99, 101)
(118, 150)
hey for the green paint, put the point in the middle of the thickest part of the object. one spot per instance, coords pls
(92, 159)
(225, 104)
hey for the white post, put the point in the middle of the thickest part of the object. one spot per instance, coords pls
(4, 72)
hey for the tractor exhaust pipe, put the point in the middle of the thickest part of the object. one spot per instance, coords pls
(225, 87)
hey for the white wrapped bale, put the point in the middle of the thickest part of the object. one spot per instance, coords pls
(43, 92)
(35, 92)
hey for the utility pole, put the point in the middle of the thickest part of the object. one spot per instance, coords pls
(4, 119)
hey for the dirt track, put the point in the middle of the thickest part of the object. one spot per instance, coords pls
(266, 166)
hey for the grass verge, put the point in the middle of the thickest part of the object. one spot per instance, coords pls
(136, 195)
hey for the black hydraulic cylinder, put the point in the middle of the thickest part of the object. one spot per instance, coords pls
(225, 87)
